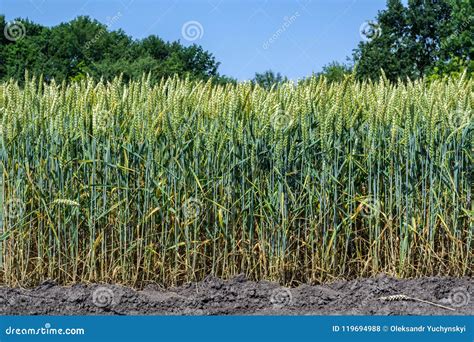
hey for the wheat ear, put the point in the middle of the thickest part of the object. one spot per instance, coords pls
(405, 297)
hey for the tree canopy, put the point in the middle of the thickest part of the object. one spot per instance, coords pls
(268, 79)
(335, 72)
(426, 37)
(83, 46)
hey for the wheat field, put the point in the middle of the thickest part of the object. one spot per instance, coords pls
(137, 182)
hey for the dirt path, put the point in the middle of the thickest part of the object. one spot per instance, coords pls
(240, 296)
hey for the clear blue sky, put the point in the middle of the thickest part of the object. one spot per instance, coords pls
(238, 33)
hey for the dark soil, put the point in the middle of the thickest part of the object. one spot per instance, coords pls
(239, 296)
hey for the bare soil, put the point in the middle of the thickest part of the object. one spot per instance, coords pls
(238, 296)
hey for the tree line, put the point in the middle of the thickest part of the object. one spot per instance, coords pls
(84, 46)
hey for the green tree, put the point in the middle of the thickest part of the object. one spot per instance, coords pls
(335, 71)
(83, 46)
(411, 41)
(23, 49)
(268, 79)
(457, 49)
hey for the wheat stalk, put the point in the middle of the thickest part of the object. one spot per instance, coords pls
(280, 179)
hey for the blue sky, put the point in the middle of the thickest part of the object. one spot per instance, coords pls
(294, 37)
